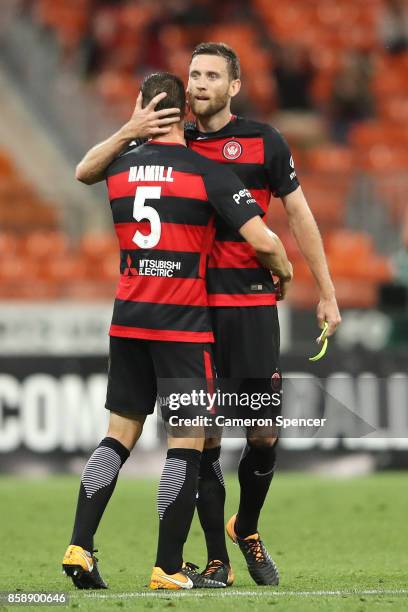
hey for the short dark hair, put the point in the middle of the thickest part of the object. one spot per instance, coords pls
(170, 83)
(222, 50)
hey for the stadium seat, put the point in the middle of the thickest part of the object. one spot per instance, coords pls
(63, 270)
(98, 246)
(394, 109)
(6, 167)
(327, 29)
(110, 267)
(116, 87)
(330, 158)
(356, 244)
(383, 158)
(9, 244)
(40, 245)
(371, 133)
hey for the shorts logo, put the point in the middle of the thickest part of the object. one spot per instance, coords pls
(276, 380)
(232, 150)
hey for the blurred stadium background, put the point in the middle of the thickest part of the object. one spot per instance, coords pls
(333, 76)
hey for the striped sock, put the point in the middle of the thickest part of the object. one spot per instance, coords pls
(98, 482)
(176, 505)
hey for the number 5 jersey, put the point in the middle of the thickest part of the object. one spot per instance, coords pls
(163, 198)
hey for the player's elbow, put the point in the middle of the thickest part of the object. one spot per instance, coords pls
(83, 175)
(260, 237)
(80, 175)
(268, 243)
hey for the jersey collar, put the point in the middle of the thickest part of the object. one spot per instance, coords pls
(171, 144)
(223, 131)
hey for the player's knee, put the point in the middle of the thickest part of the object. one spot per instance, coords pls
(189, 443)
(212, 443)
(262, 441)
(128, 439)
(126, 430)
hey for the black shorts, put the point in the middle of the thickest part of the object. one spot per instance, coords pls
(246, 350)
(247, 341)
(141, 371)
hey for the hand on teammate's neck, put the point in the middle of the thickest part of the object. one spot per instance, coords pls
(176, 135)
(205, 124)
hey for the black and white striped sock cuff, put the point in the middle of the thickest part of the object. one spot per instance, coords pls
(218, 470)
(171, 482)
(103, 465)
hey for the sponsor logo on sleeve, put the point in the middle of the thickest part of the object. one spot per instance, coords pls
(292, 165)
(244, 194)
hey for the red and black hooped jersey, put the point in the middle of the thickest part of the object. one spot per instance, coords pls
(261, 158)
(163, 198)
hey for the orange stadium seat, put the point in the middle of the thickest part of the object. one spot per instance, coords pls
(135, 16)
(67, 268)
(351, 254)
(326, 29)
(389, 82)
(97, 247)
(9, 244)
(363, 294)
(356, 244)
(116, 87)
(324, 58)
(349, 295)
(6, 167)
(328, 211)
(173, 35)
(394, 110)
(330, 158)
(262, 88)
(322, 86)
(178, 59)
(371, 133)
(21, 278)
(41, 245)
(68, 18)
(241, 37)
(26, 215)
(383, 158)
(110, 267)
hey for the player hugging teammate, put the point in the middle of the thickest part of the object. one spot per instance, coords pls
(242, 296)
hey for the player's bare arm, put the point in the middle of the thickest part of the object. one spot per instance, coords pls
(270, 251)
(307, 235)
(144, 123)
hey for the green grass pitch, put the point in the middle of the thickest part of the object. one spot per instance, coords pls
(326, 535)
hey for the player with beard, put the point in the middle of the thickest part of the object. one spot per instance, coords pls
(163, 197)
(242, 293)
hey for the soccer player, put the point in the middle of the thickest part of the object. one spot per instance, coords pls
(241, 292)
(163, 197)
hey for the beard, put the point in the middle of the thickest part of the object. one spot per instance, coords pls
(208, 108)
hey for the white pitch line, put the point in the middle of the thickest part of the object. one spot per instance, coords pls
(229, 593)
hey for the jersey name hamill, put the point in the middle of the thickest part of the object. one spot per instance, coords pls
(157, 174)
